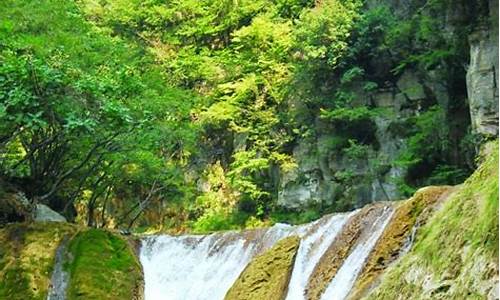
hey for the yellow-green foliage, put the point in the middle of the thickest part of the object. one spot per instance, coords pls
(267, 275)
(456, 253)
(103, 267)
(27, 255)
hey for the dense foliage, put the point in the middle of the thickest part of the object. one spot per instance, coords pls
(179, 114)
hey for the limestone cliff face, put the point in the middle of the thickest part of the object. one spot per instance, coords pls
(470, 98)
(482, 76)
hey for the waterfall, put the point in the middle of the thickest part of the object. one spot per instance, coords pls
(311, 249)
(204, 267)
(341, 285)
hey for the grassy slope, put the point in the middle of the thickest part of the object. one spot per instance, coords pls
(456, 253)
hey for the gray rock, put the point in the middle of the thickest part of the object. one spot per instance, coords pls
(482, 85)
(44, 214)
(493, 294)
(409, 85)
(384, 99)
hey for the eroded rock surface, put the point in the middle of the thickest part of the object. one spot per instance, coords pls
(482, 85)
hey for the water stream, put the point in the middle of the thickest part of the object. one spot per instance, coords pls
(60, 278)
(204, 267)
(342, 283)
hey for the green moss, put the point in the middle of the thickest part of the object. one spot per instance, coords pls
(456, 253)
(267, 275)
(27, 253)
(103, 267)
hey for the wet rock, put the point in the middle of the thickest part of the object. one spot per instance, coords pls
(398, 235)
(354, 231)
(267, 275)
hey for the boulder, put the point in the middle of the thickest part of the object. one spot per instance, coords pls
(44, 214)
(15, 207)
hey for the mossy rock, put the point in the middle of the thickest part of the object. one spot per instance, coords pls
(27, 254)
(266, 277)
(103, 266)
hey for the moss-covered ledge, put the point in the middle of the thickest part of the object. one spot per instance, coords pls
(266, 277)
(102, 265)
(27, 253)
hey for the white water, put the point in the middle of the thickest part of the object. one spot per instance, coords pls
(200, 267)
(342, 283)
(311, 249)
(204, 267)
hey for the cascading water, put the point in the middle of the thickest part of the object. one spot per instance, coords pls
(341, 285)
(311, 249)
(199, 267)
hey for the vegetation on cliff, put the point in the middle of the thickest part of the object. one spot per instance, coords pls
(185, 115)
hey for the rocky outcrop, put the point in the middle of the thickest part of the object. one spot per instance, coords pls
(316, 181)
(455, 255)
(399, 235)
(14, 207)
(482, 76)
(267, 275)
